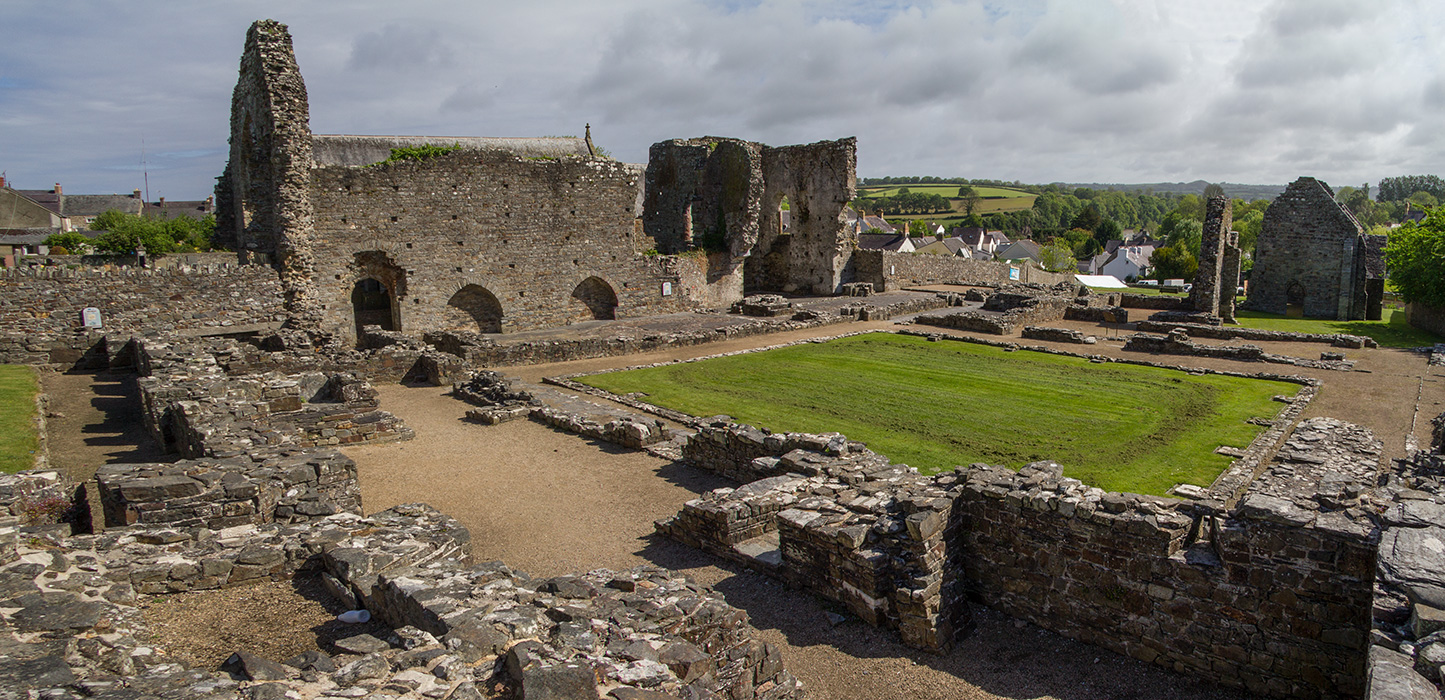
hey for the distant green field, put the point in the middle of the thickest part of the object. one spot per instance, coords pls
(1391, 331)
(18, 441)
(945, 190)
(937, 405)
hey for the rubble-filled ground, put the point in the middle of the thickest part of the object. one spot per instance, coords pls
(475, 473)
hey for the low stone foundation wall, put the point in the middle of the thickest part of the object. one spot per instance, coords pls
(1196, 330)
(1057, 335)
(295, 486)
(1272, 595)
(1155, 302)
(1097, 314)
(460, 630)
(1178, 343)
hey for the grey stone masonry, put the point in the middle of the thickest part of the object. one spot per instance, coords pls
(1219, 260)
(1273, 595)
(1199, 330)
(73, 619)
(40, 308)
(288, 486)
(1177, 342)
(1058, 335)
(1311, 254)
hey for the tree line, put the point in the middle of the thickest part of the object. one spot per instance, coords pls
(124, 233)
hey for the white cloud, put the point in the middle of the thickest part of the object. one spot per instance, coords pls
(1037, 90)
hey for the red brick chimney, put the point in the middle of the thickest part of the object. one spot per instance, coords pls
(135, 194)
(2, 180)
(57, 189)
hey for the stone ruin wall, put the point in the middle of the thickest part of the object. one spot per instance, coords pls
(488, 241)
(263, 205)
(40, 308)
(1274, 596)
(889, 271)
(725, 194)
(1219, 261)
(266, 509)
(1311, 253)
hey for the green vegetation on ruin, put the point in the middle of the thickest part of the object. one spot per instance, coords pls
(935, 405)
(1391, 331)
(422, 152)
(18, 441)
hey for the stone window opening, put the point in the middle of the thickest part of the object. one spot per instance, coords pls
(598, 297)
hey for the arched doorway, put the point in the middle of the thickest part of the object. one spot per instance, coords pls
(372, 305)
(598, 297)
(1294, 299)
(481, 305)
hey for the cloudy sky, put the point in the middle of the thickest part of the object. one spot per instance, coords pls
(1038, 91)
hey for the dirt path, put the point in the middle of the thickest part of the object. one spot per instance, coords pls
(551, 503)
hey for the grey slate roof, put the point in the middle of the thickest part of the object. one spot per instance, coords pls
(45, 198)
(350, 150)
(881, 241)
(92, 204)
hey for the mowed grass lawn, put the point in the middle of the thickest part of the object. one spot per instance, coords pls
(1391, 331)
(18, 441)
(935, 405)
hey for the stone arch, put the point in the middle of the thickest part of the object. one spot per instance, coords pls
(372, 304)
(377, 293)
(481, 305)
(599, 298)
(1294, 298)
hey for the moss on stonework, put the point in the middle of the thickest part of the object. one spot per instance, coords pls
(422, 152)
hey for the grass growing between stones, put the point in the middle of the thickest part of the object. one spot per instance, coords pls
(1391, 331)
(18, 441)
(935, 405)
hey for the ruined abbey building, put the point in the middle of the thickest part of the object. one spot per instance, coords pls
(504, 235)
(1314, 258)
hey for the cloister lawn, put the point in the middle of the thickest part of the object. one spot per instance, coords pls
(935, 405)
(17, 414)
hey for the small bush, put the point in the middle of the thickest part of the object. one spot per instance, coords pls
(45, 511)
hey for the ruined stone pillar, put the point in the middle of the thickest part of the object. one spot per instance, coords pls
(1229, 277)
(1206, 295)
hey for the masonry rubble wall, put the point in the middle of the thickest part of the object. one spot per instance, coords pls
(459, 628)
(490, 241)
(1158, 303)
(1427, 318)
(40, 308)
(1010, 308)
(889, 271)
(1200, 330)
(1272, 595)
(1311, 254)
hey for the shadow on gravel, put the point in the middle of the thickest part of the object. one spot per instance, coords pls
(1001, 656)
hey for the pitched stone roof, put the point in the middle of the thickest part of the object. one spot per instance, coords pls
(349, 150)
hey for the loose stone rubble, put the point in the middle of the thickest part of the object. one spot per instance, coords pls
(1177, 342)
(70, 626)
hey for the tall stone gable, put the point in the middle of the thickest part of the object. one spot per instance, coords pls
(263, 203)
(1311, 255)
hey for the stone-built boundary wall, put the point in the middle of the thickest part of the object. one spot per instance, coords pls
(40, 308)
(1273, 595)
(889, 271)
(1157, 303)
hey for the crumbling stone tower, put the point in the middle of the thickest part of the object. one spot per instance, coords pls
(1312, 255)
(1219, 260)
(263, 204)
(725, 194)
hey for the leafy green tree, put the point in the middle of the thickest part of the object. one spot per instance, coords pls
(1056, 257)
(1395, 189)
(970, 199)
(1212, 190)
(124, 233)
(1415, 257)
(1173, 262)
(1088, 218)
(72, 242)
(1108, 230)
(1423, 199)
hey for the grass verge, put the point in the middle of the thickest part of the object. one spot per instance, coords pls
(937, 405)
(18, 440)
(1391, 331)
